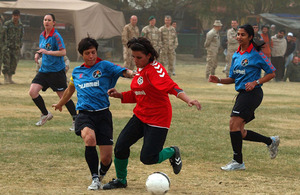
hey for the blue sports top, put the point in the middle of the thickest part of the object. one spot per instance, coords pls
(246, 67)
(93, 82)
(53, 42)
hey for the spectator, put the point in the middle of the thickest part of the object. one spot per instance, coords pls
(232, 45)
(293, 70)
(273, 30)
(212, 45)
(290, 48)
(13, 34)
(278, 51)
(265, 35)
(129, 31)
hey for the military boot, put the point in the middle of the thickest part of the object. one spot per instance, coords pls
(10, 79)
(6, 80)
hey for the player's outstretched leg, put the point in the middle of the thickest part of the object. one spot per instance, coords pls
(175, 160)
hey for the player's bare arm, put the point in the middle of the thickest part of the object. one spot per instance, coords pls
(65, 98)
(114, 93)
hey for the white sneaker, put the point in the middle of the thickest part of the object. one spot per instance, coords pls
(72, 128)
(44, 119)
(273, 147)
(95, 184)
(233, 166)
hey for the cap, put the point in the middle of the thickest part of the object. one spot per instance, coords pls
(290, 34)
(273, 25)
(151, 18)
(218, 23)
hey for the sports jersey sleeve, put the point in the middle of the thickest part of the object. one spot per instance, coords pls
(59, 41)
(266, 64)
(160, 79)
(128, 97)
(71, 81)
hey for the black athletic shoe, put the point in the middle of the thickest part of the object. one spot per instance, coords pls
(115, 183)
(175, 160)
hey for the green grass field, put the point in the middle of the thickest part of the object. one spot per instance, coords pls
(50, 159)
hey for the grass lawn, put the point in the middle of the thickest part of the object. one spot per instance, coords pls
(50, 159)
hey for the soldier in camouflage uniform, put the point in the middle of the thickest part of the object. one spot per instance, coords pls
(232, 44)
(169, 43)
(1, 41)
(151, 32)
(212, 44)
(129, 31)
(13, 33)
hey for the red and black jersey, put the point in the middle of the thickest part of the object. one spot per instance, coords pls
(149, 90)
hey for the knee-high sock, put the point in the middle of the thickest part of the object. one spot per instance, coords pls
(39, 102)
(91, 157)
(121, 169)
(165, 154)
(256, 137)
(71, 108)
(237, 143)
(104, 168)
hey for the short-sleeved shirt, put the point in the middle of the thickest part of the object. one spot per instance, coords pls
(53, 42)
(246, 67)
(93, 82)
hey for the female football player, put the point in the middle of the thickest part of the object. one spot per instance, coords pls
(152, 114)
(245, 72)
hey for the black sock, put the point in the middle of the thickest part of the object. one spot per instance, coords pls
(237, 143)
(256, 137)
(91, 157)
(104, 168)
(39, 102)
(71, 108)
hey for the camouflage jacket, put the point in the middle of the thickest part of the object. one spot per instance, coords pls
(232, 43)
(13, 34)
(129, 32)
(212, 42)
(153, 35)
(168, 37)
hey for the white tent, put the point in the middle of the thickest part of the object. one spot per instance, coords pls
(92, 18)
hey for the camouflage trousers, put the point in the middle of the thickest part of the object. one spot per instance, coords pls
(228, 61)
(167, 57)
(211, 63)
(1, 58)
(128, 60)
(10, 60)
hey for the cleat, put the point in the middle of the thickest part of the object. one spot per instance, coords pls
(72, 128)
(95, 184)
(273, 147)
(234, 166)
(44, 119)
(114, 184)
(175, 160)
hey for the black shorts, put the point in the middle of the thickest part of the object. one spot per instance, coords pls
(57, 81)
(246, 103)
(100, 122)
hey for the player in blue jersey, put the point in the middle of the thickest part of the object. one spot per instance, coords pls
(52, 71)
(92, 80)
(245, 72)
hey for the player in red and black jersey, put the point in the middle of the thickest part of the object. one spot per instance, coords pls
(152, 115)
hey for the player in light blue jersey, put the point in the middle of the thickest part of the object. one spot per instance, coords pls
(92, 80)
(245, 72)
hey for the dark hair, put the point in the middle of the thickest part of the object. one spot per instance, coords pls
(265, 26)
(142, 44)
(16, 12)
(249, 29)
(282, 31)
(52, 15)
(87, 43)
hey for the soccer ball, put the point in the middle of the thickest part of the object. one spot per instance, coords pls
(158, 183)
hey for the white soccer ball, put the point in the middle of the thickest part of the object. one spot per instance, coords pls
(158, 183)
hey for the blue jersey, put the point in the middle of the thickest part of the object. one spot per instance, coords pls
(246, 67)
(53, 42)
(92, 84)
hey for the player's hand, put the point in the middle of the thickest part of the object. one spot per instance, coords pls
(195, 103)
(213, 79)
(57, 107)
(250, 86)
(114, 93)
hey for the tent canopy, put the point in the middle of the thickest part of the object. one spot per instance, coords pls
(88, 18)
(289, 22)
